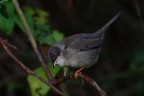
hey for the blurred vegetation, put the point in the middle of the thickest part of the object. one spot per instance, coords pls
(120, 69)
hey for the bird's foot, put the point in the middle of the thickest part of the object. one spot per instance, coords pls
(78, 72)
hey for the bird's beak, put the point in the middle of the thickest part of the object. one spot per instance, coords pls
(54, 64)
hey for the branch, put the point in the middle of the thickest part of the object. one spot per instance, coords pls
(82, 77)
(32, 40)
(92, 83)
(59, 81)
(5, 46)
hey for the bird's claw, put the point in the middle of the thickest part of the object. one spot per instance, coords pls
(78, 72)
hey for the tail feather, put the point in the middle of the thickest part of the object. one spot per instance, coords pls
(106, 26)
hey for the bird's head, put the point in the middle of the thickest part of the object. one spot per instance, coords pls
(53, 54)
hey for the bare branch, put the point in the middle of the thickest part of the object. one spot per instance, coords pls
(48, 73)
(82, 77)
(59, 81)
(92, 83)
(5, 44)
(32, 41)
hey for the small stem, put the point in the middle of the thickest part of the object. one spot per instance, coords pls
(21, 15)
(48, 73)
(61, 80)
(32, 40)
(92, 83)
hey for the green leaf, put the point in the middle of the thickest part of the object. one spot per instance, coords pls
(28, 16)
(3, 11)
(46, 40)
(19, 23)
(10, 10)
(57, 35)
(41, 19)
(45, 35)
(137, 63)
(7, 24)
(29, 10)
(36, 86)
(30, 22)
(3, 1)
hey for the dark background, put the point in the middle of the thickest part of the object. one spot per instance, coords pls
(120, 69)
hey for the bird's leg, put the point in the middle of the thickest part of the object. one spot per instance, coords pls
(65, 69)
(78, 72)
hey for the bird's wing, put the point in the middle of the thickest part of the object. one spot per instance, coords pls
(89, 41)
(68, 40)
(84, 42)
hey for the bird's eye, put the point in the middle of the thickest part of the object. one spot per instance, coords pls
(54, 56)
(53, 53)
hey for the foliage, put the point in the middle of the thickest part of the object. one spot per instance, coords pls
(42, 32)
(7, 18)
(120, 70)
(45, 35)
(137, 68)
(37, 87)
(3, 8)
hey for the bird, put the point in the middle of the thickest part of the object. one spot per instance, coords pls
(79, 50)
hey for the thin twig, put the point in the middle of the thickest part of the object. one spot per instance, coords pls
(48, 73)
(32, 40)
(61, 80)
(91, 82)
(84, 78)
(5, 44)
(79, 76)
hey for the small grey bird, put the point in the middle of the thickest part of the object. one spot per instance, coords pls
(80, 50)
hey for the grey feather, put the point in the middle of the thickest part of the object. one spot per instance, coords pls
(87, 41)
(81, 50)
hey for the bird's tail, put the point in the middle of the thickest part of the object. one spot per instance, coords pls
(106, 26)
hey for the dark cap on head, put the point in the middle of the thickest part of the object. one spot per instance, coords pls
(53, 53)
